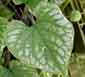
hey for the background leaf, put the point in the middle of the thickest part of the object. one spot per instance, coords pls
(18, 70)
(30, 3)
(3, 23)
(5, 12)
(47, 44)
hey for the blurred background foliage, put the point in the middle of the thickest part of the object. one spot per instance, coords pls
(77, 62)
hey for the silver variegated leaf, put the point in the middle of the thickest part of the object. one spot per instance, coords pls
(47, 44)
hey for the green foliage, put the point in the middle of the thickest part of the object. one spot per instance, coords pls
(30, 3)
(18, 69)
(58, 2)
(75, 16)
(46, 45)
(5, 12)
(3, 23)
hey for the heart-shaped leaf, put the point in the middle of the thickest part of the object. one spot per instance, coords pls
(18, 70)
(47, 44)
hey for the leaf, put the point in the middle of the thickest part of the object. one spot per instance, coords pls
(75, 16)
(18, 70)
(47, 44)
(4, 72)
(58, 2)
(3, 23)
(30, 3)
(4, 12)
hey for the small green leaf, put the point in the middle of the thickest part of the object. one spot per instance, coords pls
(75, 16)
